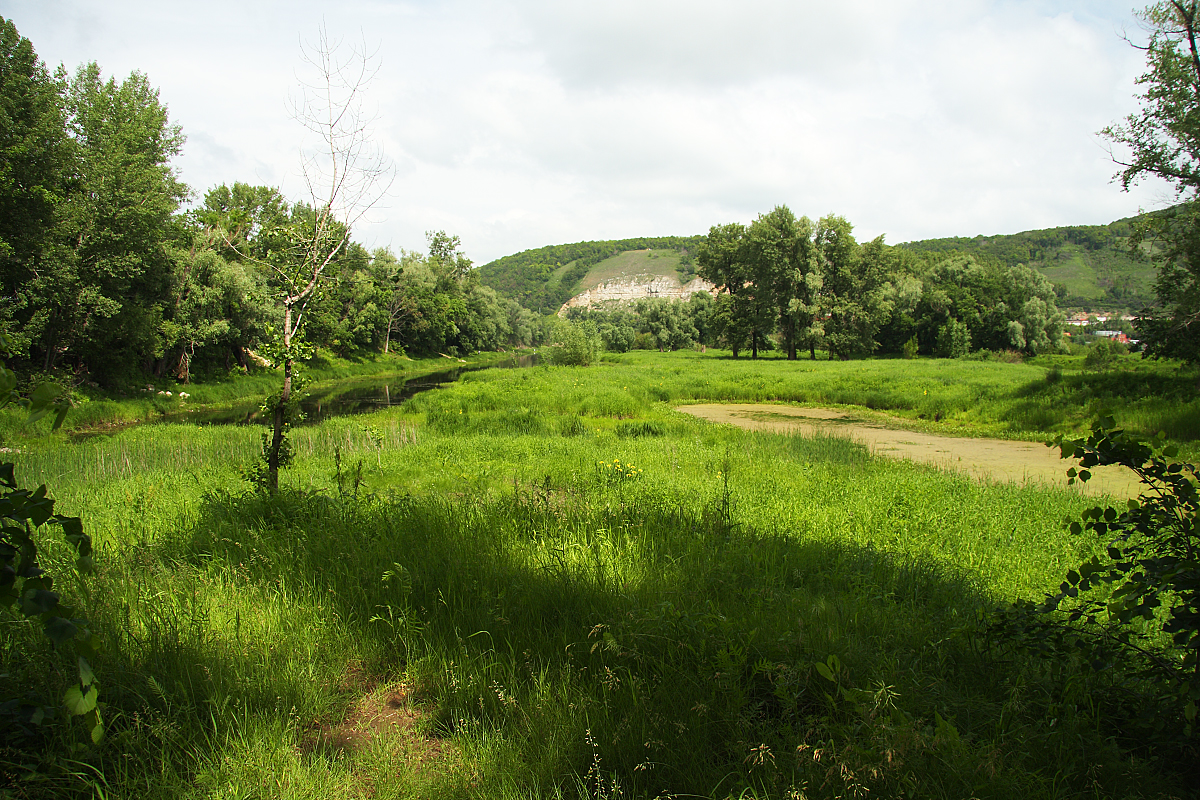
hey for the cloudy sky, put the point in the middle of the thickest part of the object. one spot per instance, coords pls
(520, 123)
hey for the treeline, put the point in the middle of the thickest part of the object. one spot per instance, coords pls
(106, 277)
(526, 276)
(789, 283)
(1120, 279)
(651, 323)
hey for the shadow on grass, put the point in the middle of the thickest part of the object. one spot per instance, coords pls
(561, 633)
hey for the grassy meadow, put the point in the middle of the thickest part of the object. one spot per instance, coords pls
(546, 583)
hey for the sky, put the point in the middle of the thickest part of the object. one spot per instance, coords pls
(515, 124)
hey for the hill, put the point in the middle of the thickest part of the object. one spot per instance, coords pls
(1090, 265)
(545, 278)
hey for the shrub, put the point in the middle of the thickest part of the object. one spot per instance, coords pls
(1103, 353)
(953, 340)
(574, 344)
(1134, 611)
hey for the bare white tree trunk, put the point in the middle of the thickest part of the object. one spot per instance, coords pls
(345, 178)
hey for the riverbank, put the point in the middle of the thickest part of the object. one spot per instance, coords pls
(232, 396)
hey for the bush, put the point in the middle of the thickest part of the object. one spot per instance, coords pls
(953, 340)
(911, 348)
(1103, 353)
(1133, 611)
(574, 344)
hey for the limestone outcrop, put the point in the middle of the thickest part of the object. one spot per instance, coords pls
(636, 288)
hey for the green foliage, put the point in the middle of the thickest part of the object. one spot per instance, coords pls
(35, 158)
(526, 276)
(1162, 140)
(953, 340)
(1133, 608)
(1089, 265)
(573, 344)
(1103, 353)
(28, 591)
(911, 348)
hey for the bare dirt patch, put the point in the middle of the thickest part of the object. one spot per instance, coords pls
(381, 712)
(982, 459)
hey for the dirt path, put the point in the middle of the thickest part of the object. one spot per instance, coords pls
(984, 459)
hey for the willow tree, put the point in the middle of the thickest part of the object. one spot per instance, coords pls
(345, 175)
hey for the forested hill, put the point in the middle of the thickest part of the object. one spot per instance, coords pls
(1090, 265)
(545, 278)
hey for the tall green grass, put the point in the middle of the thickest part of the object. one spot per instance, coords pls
(583, 591)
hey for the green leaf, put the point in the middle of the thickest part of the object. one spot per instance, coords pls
(824, 671)
(86, 676)
(38, 601)
(79, 703)
(61, 630)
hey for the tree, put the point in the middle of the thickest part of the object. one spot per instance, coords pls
(855, 296)
(1162, 140)
(785, 273)
(36, 163)
(723, 260)
(87, 291)
(345, 177)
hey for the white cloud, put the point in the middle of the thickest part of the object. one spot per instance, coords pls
(532, 122)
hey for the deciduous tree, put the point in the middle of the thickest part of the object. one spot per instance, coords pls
(1162, 140)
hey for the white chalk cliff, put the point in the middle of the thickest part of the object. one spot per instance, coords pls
(636, 288)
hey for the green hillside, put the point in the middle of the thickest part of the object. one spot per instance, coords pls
(1090, 264)
(545, 278)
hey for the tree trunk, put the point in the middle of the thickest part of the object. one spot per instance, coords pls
(239, 353)
(279, 412)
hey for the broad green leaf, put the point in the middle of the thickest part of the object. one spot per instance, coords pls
(38, 601)
(79, 703)
(86, 676)
(61, 630)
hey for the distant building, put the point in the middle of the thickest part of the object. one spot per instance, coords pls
(1116, 336)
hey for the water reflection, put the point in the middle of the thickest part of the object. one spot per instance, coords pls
(348, 398)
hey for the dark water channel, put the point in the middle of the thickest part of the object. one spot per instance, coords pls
(340, 400)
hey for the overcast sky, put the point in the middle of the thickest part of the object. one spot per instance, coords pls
(520, 123)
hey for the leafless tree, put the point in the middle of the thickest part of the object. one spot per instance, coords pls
(345, 175)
